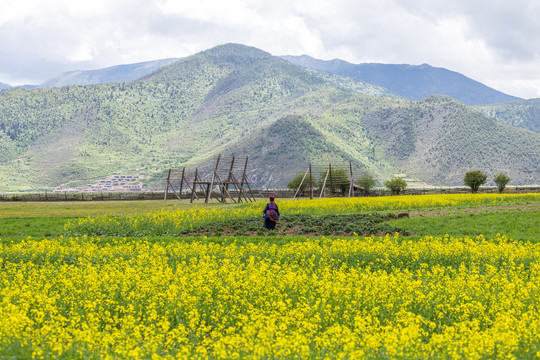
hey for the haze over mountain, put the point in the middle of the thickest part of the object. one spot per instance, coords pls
(119, 73)
(410, 81)
(4, 86)
(234, 99)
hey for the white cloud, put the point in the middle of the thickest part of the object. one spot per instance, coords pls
(495, 42)
(228, 13)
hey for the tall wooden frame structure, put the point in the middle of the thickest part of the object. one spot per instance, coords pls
(326, 171)
(181, 179)
(229, 178)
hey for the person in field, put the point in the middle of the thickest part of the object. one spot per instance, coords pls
(271, 214)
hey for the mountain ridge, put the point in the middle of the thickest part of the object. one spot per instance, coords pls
(117, 73)
(410, 81)
(230, 100)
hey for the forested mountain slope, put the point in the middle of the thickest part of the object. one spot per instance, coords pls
(435, 140)
(234, 99)
(524, 114)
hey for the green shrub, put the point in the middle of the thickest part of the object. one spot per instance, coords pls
(396, 185)
(501, 180)
(337, 180)
(295, 183)
(365, 183)
(474, 179)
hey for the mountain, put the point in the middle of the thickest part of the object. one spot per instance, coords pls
(433, 140)
(234, 99)
(524, 114)
(119, 73)
(410, 81)
(4, 86)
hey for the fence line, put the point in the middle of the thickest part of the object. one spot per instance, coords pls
(434, 191)
(72, 196)
(279, 193)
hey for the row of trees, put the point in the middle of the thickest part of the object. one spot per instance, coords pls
(476, 178)
(473, 179)
(339, 182)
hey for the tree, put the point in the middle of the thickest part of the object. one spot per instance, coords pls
(474, 179)
(337, 180)
(501, 180)
(365, 183)
(396, 185)
(295, 183)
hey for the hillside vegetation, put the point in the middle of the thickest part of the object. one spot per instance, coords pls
(234, 99)
(524, 114)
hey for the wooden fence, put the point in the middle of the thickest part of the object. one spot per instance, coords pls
(427, 191)
(279, 193)
(72, 196)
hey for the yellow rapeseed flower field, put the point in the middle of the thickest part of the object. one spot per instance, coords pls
(373, 297)
(167, 222)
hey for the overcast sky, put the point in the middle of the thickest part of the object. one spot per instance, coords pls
(496, 42)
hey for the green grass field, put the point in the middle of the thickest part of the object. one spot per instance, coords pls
(46, 219)
(519, 221)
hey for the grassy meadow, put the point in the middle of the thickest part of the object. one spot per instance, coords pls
(436, 276)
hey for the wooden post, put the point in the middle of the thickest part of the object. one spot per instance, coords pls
(351, 186)
(225, 186)
(242, 181)
(211, 185)
(181, 184)
(194, 185)
(324, 183)
(301, 183)
(231, 169)
(331, 185)
(193, 194)
(167, 186)
(208, 192)
(310, 183)
(236, 184)
(224, 189)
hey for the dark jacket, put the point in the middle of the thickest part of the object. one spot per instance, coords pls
(270, 206)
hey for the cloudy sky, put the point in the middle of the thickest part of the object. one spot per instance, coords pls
(496, 42)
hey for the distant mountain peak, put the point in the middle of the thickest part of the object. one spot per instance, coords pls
(117, 73)
(4, 86)
(410, 81)
(234, 49)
